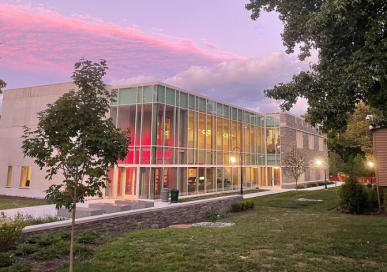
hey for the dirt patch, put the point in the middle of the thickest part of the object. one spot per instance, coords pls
(181, 226)
(300, 264)
(257, 252)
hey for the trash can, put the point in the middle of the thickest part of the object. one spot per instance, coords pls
(174, 196)
(165, 195)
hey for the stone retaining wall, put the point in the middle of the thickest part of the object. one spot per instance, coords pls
(116, 223)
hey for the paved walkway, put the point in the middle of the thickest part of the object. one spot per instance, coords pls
(49, 210)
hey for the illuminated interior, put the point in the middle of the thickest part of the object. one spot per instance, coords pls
(184, 141)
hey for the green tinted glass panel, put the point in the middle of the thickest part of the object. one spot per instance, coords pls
(272, 122)
(160, 93)
(210, 106)
(177, 98)
(226, 111)
(114, 98)
(240, 115)
(219, 109)
(183, 100)
(191, 101)
(170, 96)
(147, 94)
(139, 95)
(127, 96)
(234, 113)
(202, 104)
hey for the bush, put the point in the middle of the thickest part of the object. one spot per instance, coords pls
(236, 207)
(41, 240)
(83, 252)
(353, 197)
(215, 214)
(242, 206)
(10, 230)
(369, 185)
(88, 237)
(372, 198)
(7, 259)
(26, 249)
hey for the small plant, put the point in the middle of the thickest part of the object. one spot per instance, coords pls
(7, 259)
(41, 220)
(369, 185)
(215, 214)
(242, 205)
(41, 240)
(88, 237)
(236, 207)
(83, 252)
(17, 267)
(10, 230)
(353, 197)
(26, 249)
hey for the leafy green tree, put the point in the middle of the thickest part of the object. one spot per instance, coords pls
(74, 139)
(336, 163)
(350, 38)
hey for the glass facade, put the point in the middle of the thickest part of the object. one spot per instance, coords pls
(185, 141)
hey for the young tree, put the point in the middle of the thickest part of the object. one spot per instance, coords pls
(294, 165)
(75, 139)
(350, 38)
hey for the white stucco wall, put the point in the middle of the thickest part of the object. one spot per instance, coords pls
(20, 107)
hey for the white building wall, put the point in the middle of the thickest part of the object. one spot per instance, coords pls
(20, 107)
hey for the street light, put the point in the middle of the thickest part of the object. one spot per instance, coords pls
(319, 164)
(233, 159)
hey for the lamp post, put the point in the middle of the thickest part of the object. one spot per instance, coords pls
(233, 159)
(319, 164)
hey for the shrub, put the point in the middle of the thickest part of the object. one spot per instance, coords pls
(372, 198)
(215, 214)
(83, 252)
(17, 267)
(41, 220)
(7, 259)
(242, 206)
(369, 185)
(88, 237)
(26, 249)
(236, 207)
(41, 240)
(353, 197)
(10, 230)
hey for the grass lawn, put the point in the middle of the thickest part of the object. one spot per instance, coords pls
(278, 235)
(11, 202)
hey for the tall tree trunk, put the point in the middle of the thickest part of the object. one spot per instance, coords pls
(296, 190)
(72, 231)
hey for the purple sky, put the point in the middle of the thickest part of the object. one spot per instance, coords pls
(209, 47)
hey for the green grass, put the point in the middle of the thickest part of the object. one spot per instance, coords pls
(9, 202)
(278, 235)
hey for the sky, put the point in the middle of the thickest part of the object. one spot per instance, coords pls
(208, 47)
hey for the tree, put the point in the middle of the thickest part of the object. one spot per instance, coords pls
(294, 165)
(350, 38)
(336, 164)
(357, 136)
(75, 139)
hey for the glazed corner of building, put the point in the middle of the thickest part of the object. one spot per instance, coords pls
(194, 165)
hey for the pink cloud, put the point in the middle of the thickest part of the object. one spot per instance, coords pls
(42, 41)
(210, 45)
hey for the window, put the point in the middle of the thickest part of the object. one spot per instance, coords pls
(9, 176)
(311, 141)
(25, 176)
(300, 139)
(320, 144)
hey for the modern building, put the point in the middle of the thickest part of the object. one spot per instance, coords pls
(180, 140)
